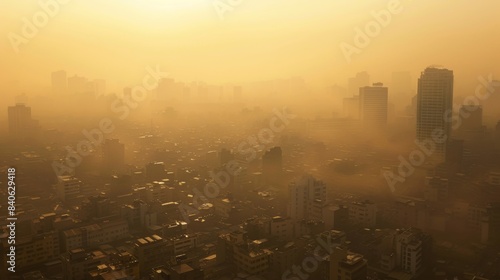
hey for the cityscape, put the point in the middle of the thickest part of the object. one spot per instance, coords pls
(241, 149)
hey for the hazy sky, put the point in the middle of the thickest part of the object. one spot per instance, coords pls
(258, 39)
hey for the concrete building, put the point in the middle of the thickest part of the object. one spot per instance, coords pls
(33, 249)
(77, 263)
(373, 105)
(335, 217)
(345, 265)
(434, 108)
(151, 251)
(21, 125)
(68, 188)
(363, 213)
(306, 199)
(94, 234)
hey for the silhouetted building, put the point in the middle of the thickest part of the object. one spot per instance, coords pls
(21, 125)
(373, 105)
(434, 108)
(362, 79)
(77, 85)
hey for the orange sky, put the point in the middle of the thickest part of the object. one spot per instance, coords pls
(257, 39)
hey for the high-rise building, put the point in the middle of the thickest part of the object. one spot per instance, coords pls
(59, 82)
(434, 108)
(21, 125)
(307, 198)
(77, 84)
(345, 265)
(361, 79)
(373, 105)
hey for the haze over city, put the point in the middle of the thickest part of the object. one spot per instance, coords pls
(232, 139)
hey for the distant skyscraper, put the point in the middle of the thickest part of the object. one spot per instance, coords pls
(59, 82)
(373, 105)
(434, 105)
(77, 84)
(21, 124)
(361, 79)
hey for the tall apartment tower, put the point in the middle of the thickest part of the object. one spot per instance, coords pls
(373, 106)
(21, 125)
(307, 197)
(361, 79)
(434, 107)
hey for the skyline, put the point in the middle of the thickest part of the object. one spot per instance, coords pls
(176, 41)
(249, 140)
